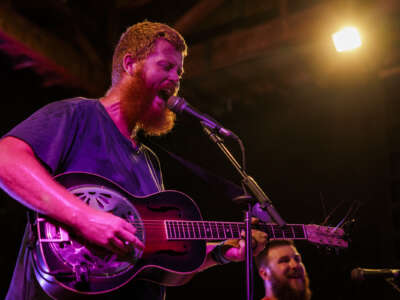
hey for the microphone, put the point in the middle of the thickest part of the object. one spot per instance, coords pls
(180, 106)
(361, 274)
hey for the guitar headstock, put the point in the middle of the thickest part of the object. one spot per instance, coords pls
(326, 236)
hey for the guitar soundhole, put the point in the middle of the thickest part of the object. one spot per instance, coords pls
(99, 262)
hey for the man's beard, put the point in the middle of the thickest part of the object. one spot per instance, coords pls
(284, 291)
(136, 107)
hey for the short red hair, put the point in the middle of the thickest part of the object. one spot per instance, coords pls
(139, 40)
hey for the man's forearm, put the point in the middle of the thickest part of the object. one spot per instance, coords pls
(24, 178)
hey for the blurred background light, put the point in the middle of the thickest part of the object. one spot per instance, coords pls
(346, 39)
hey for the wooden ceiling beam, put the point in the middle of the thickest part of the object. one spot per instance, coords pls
(250, 43)
(53, 58)
(196, 14)
(311, 26)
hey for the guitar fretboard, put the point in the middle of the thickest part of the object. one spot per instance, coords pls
(209, 230)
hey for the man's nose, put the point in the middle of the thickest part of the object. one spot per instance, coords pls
(173, 76)
(293, 263)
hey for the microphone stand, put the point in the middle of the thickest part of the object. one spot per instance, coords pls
(257, 193)
(393, 283)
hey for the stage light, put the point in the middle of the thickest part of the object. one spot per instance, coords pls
(346, 39)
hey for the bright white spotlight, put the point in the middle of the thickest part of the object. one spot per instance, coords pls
(346, 39)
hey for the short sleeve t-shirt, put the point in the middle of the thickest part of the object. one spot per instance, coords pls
(78, 135)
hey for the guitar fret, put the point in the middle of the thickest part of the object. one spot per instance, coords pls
(177, 232)
(236, 230)
(176, 229)
(298, 231)
(208, 230)
(169, 233)
(186, 230)
(171, 225)
(228, 230)
(189, 229)
(277, 231)
(174, 224)
(214, 232)
(192, 235)
(173, 229)
(197, 230)
(202, 230)
(287, 232)
(221, 230)
(181, 230)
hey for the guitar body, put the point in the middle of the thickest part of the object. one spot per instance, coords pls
(67, 267)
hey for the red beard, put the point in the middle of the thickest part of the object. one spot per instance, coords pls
(284, 291)
(136, 107)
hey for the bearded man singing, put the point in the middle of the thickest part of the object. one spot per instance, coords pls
(98, 136)
(283, 272)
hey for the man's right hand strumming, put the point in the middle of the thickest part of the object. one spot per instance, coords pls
(109, 231)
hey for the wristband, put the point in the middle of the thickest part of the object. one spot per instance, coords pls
(217, 255)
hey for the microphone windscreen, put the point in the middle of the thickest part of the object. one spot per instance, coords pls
(176, 104)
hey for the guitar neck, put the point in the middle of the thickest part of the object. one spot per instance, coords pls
(214, 231)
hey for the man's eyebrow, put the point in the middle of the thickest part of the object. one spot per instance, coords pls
(283, 258)
(172, 63)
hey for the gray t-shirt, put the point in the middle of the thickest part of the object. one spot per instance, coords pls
(78, 135)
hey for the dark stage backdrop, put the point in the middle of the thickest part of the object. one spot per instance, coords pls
(309, 149)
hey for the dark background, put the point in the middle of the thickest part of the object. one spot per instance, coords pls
(328, 140)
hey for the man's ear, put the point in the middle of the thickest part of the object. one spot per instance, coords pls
(129, 64)
(264, 272)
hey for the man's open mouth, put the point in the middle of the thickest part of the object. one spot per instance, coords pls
(164, 94)
(167, 91)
